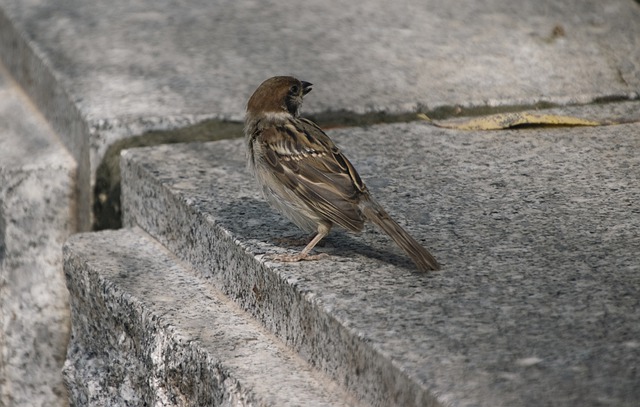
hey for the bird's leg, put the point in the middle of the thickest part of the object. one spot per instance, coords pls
(296, 241)
(323, 230)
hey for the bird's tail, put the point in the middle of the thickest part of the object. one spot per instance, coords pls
(421, 256)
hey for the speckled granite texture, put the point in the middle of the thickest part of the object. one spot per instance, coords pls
(124, 59)
(106, 71)
(147, 331)
(37, 214)
(538, 302)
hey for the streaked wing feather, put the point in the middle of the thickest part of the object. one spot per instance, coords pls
(315, 171)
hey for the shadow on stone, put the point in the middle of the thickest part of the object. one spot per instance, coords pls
(252, 219)
(106, 208)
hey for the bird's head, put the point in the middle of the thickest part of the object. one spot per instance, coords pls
(278, 95)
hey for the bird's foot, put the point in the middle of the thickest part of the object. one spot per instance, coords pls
(295, 241)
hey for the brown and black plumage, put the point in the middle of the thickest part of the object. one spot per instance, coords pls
(305, 176)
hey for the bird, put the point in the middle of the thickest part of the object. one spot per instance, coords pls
(306, 177)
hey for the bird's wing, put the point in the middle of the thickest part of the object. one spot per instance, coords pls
(307, 162)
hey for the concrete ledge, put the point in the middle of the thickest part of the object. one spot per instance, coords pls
(536, 229)
(106, 72)
(116, 61)
(146, 331)
(37, 214)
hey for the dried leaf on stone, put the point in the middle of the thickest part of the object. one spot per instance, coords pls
(509, 120)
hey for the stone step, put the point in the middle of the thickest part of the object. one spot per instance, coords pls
(103, 72)
(37, 214)
(148, 331)
(537, 302)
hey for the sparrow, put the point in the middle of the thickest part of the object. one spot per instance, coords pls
(305, 176)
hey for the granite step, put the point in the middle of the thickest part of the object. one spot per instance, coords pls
(148, 331)
(536, 229)
(37, 214)
(103, 72)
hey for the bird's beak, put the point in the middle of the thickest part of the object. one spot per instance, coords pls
(306, 87)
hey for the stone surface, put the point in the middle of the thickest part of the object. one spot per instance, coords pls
(37, 214)
(538, 302)
(126, 59)
(102, 73)
(106, 71)
(148, 331)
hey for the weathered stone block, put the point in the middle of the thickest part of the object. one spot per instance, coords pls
(37, 214)
(148, 331)
(536, 229)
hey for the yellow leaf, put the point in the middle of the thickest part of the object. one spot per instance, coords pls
(508, 120)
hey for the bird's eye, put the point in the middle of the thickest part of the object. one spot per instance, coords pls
(294, 90)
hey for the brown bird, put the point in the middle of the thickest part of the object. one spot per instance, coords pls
(305, 176)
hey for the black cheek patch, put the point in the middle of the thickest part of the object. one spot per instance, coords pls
(292, 106)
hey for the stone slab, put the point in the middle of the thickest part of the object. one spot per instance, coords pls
(536, 229)
(102, 72)
(148, 331)
(148, 59)
(37, 214)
